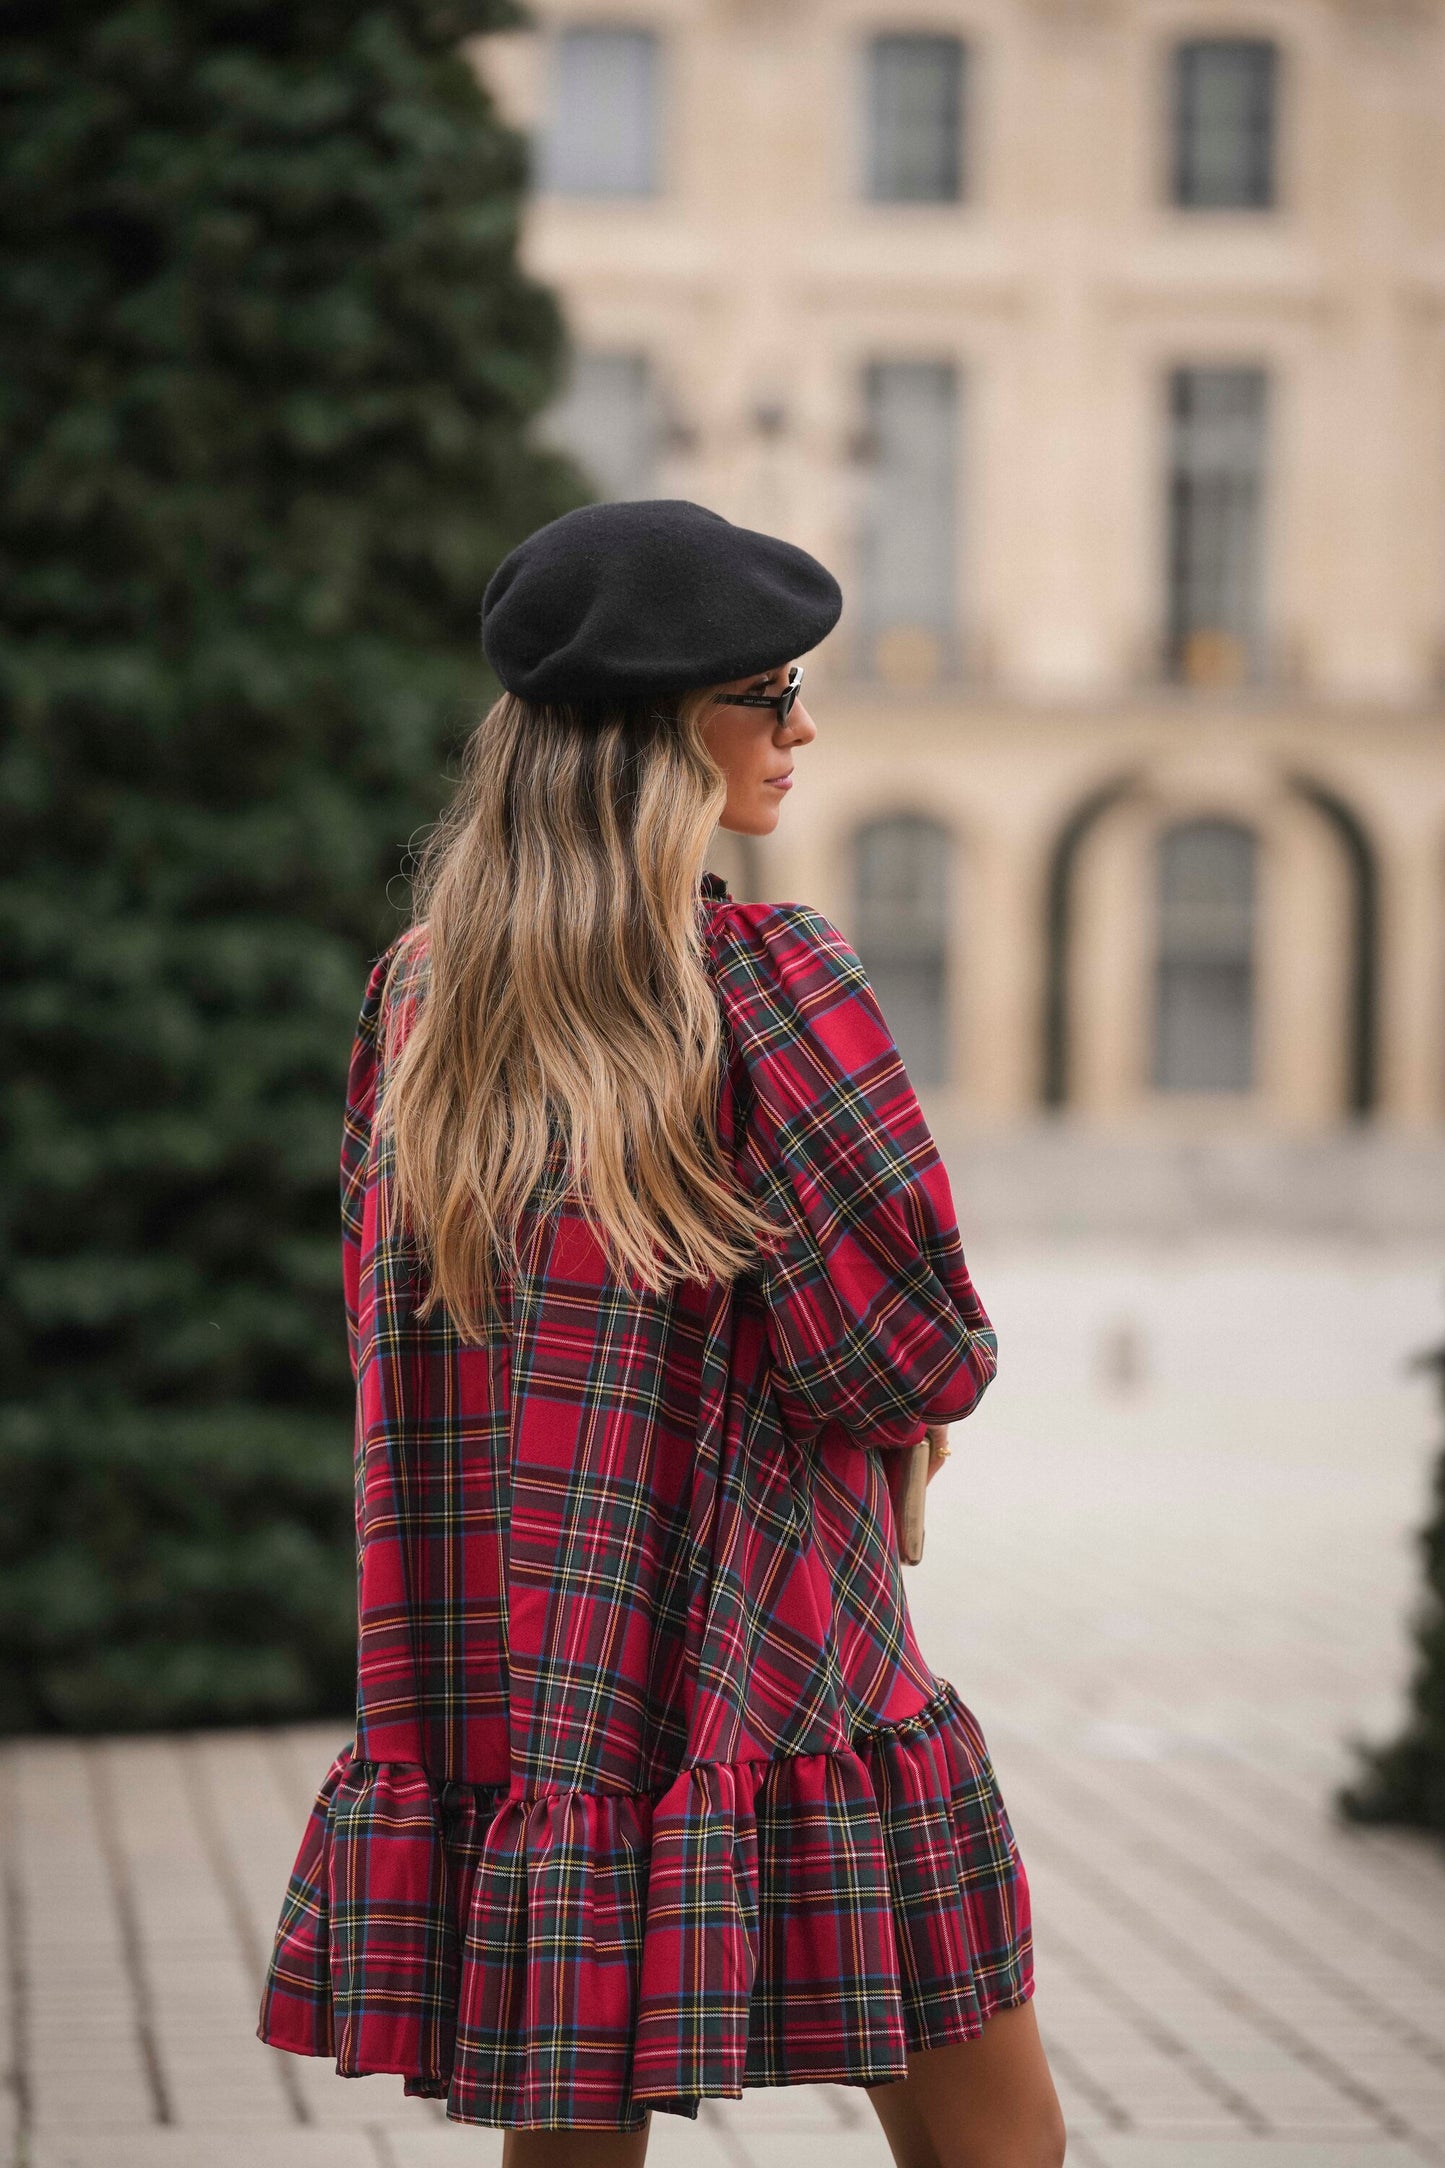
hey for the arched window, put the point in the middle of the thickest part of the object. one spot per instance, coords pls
(901, 868)
(1204, 987)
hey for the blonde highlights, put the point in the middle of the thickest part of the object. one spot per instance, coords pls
(566, 994)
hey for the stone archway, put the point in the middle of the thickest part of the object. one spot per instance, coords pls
(1058, 913)
(1356, 856)
(1362, 864)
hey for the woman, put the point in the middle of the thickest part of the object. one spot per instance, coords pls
(650, 1264)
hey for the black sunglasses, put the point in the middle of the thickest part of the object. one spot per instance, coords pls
(781, 703)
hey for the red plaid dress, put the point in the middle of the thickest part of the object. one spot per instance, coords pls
(653, 1794)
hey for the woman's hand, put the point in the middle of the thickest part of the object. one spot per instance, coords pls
(938, 1448)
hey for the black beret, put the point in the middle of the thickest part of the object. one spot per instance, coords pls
(628, 600)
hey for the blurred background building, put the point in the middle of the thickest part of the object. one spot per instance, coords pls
(1100, 346)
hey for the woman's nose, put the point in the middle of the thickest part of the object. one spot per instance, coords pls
(800, 726)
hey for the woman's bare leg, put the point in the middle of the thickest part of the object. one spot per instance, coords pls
(985, 2103)
(576, 2148)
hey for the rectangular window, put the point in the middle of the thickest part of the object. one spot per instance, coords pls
(1204, 991)
(908, 558)
(1216, 493)
(609, 418)
(901, 882)
(914, 119)
(1224, 124)
(601, 136)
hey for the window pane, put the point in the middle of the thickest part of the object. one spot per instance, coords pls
(901, 915)
(907, 544)
(1204, 1009)
(1224, 123)
(609, 419)
(915, 119)
(1216, 489)
(602, 136)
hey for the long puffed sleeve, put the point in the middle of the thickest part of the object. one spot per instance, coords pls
(873, 1320)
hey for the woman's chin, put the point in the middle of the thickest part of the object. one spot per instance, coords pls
(758, 821)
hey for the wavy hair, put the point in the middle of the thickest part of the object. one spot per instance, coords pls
(565, 993)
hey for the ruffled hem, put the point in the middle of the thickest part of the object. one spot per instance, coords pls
(572, 1960)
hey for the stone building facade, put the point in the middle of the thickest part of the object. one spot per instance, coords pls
(1100, 346)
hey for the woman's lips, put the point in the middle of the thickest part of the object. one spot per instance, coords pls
(781, 782)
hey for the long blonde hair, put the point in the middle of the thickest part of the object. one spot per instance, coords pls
(565, 991)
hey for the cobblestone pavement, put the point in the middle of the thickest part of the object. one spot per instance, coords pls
(1169, 1569)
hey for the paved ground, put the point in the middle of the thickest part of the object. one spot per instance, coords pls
(1168, 1567)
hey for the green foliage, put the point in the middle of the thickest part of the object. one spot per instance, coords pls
(1404, 1781)
(266, 366)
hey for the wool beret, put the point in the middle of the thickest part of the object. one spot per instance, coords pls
(632, 599)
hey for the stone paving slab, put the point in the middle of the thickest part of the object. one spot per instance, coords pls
(446, 2147)
(812, 2149)
(1169, 1608)
(207, 2147)
(1244, 2153)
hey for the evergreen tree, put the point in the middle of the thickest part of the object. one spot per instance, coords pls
(267, 363)
(1404, 1781)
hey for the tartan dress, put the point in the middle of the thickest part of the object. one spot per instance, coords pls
(653, 1794)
